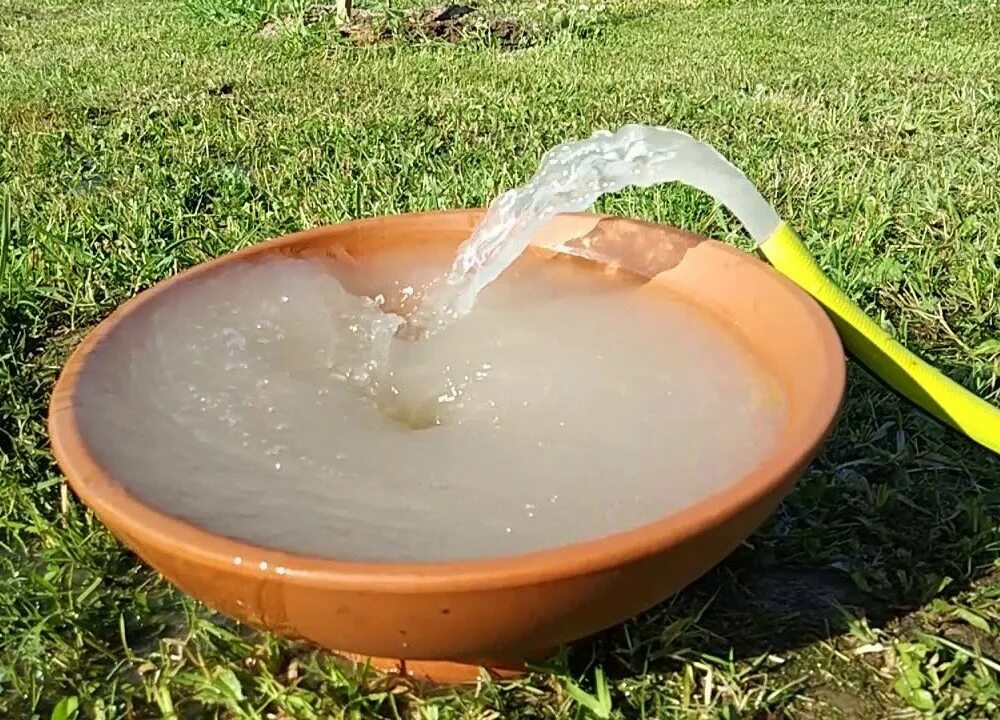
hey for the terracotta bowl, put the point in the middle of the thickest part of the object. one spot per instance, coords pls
(442, 622)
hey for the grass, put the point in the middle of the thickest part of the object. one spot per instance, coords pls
(139, 138)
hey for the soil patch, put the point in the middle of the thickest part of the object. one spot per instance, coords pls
(445, 23)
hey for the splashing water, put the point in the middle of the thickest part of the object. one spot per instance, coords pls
(571, 178)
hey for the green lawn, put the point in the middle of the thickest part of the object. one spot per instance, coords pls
(141, 137)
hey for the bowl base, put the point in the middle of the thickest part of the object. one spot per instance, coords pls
(440, 672)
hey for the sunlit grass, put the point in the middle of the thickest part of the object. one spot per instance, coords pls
(139, 138)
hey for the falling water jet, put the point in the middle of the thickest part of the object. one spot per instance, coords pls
(571, 178)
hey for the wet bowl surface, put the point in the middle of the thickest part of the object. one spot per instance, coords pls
(439, 620)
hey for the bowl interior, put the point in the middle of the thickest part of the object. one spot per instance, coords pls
(773, 320)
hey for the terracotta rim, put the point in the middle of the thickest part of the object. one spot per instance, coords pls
(109, 500)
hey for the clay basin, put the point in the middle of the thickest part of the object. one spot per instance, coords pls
(443, 620)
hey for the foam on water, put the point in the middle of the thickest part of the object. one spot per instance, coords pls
(563, 409)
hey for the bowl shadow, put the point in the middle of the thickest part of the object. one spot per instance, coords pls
(894, 512)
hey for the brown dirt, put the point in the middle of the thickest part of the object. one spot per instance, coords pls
(446, 23)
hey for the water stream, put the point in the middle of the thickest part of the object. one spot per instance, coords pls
(571, 178)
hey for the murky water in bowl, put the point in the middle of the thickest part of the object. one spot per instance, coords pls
(565, 408)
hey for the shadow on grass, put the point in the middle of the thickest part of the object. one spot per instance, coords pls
(897, 511)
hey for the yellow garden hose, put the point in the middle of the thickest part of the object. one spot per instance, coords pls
(918, 381)
(656, 155)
